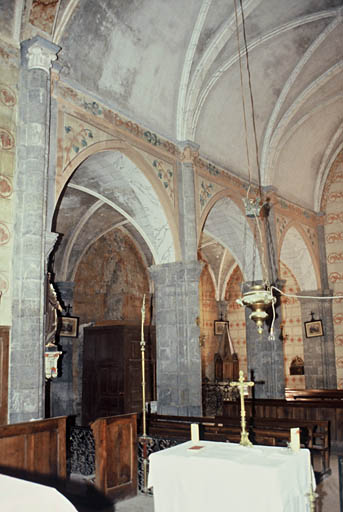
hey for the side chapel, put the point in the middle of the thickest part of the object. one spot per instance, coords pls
(126, 160)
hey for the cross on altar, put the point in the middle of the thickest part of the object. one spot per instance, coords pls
(241, 385)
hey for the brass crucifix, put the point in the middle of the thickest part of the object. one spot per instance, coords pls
(245, 441)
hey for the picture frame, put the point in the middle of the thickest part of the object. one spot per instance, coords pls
(220, 327)
(313, 328)
(69, 326)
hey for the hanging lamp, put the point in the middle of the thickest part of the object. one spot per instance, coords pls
(259, 297)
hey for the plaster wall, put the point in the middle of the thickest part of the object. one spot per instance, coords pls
(292, 328)
(236, 317)
(208, 314)
(110, 281)
(8, 114)
(333, 203)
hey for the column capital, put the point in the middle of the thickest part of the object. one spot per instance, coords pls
(189, 151)
(39, 53)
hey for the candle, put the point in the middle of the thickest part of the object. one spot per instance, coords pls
(295, 439)
(195, 432)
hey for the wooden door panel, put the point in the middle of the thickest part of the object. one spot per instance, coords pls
(112, 380)
(4, 351)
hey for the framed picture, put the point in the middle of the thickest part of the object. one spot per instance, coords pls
(69, 326)
(313, 328)
(220, 326)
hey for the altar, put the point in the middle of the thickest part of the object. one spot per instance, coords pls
(217, 476)
(17, 495)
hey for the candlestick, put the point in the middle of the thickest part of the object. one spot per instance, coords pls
(245, 441)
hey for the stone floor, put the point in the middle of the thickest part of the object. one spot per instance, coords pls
(327, 501)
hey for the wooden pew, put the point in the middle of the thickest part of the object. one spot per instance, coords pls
(36, 447)
(313, 418)
(313, 394)
(115, 440)
(273, 432)
(218, 429)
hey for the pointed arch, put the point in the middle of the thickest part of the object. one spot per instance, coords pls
(117, 175)
(225, 222)
(297, 254)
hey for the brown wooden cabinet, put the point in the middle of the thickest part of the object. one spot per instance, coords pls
(112, 377)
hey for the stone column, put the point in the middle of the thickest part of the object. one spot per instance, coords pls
(265, 356)
(177, 338)
(176, 300)
(26, 376)
(65, 388)
(187, 210)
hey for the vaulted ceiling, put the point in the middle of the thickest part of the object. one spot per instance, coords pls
(174, 67)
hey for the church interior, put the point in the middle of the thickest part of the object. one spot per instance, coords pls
(171, 215)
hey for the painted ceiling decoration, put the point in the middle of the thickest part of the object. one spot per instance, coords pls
(173, 67)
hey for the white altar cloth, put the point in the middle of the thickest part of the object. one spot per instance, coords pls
(17, 495)
(227, 476)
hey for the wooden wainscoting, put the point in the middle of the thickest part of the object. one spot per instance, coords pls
(116, 455)
(4, 351)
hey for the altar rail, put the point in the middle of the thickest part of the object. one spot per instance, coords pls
(36, 447)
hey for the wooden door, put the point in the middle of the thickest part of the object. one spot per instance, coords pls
(112, 374)
(103, 374)
(4, 351)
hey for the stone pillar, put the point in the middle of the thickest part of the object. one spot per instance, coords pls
(26, 375)
(65, 290)
(176, 299)
(177, 338)
(319, 351)
(63, 388)
(187, 210)
(265, 356)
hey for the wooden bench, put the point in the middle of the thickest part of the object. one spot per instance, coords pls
(266, 431)
(35, 447)
(313, 394)
(316, 429)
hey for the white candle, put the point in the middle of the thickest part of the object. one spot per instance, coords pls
(295, 439)
(195, 432)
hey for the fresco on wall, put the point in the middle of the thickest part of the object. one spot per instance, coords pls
(42, 14)
(208, 314)
(333, 203)
(236, 316)
(291, 328)
(8, 114)
(110, 281)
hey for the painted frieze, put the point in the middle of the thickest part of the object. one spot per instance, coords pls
(77, 136)
(333, 202)
(8, 114)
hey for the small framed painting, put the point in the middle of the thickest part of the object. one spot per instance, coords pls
(220, 326)
(313, 328)
(69, 326)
